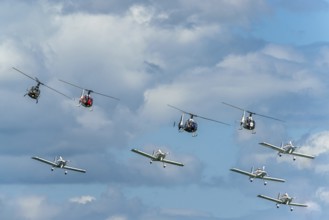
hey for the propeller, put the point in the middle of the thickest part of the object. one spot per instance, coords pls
(194, 115)
(251, 113)
(88, 90)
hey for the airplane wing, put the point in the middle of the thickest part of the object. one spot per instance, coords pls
(303, 155)
(273, 179)
(44, 161)
(272, 146)
(143, 154)
(74, 169)
(243, 172)
(173, 162)
(297, 204)
(270, 198)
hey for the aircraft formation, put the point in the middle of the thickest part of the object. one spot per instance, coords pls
(188, 125)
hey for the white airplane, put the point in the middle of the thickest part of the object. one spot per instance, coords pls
(288, 148)
(284, 199)
(59, 163)
(257, 174)
(157, 156)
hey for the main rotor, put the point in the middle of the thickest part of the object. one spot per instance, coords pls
(40, 83)
(250, 112)
(89, 91)
(195, 115)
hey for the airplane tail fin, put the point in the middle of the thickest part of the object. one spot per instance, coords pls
(279, 195)
(252, 169)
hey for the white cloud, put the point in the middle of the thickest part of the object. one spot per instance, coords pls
(322, 193)
(83, 199)
(34, 208)
(317, 144)
(313, 206)
(117, 217)
(283, 52)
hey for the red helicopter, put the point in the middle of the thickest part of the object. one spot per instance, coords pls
(85, 99)
(34, 91)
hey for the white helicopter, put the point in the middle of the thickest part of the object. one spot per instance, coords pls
(86, 99)
(190, 125)
(284, 199)
(59, 162)
(288, 148)
(158, 156)
(34, 91)
(247, 122)
(257, 174)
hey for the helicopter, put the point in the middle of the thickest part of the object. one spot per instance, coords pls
(85, 99)
(247, 122)
(190, 125)
(34, 91)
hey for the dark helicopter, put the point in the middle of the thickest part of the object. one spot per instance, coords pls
(247, 122)
(190, 125)
(34, 91)
(85, 99)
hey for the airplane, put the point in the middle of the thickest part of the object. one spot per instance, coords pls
(284, 199)
(247, 122)
(158, 156)
(34, 91)
(190, 125)
(257, 174)
(86, 99)
(288, 148)
(59, 162)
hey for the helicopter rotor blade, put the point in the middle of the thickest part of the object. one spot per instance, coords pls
(104, 95)
(209, 119)
(38, 81)
(35, 79)
(191, 114)
(252, 113)
(265, 116)
(58, 91)
(72, 84)
(88, 90)
(234, 106)
(194, 115)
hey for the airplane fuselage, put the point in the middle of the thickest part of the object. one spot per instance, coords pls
(288, 149)
(260, 173)
(285, 199)
(159, 155)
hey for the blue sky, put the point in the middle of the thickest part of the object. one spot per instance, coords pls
(270, 57)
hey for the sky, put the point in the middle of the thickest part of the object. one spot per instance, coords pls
(265, 56)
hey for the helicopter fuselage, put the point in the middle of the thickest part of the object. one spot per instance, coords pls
(189, 125)
(249, 123)
(34, 92)
(86, 101)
